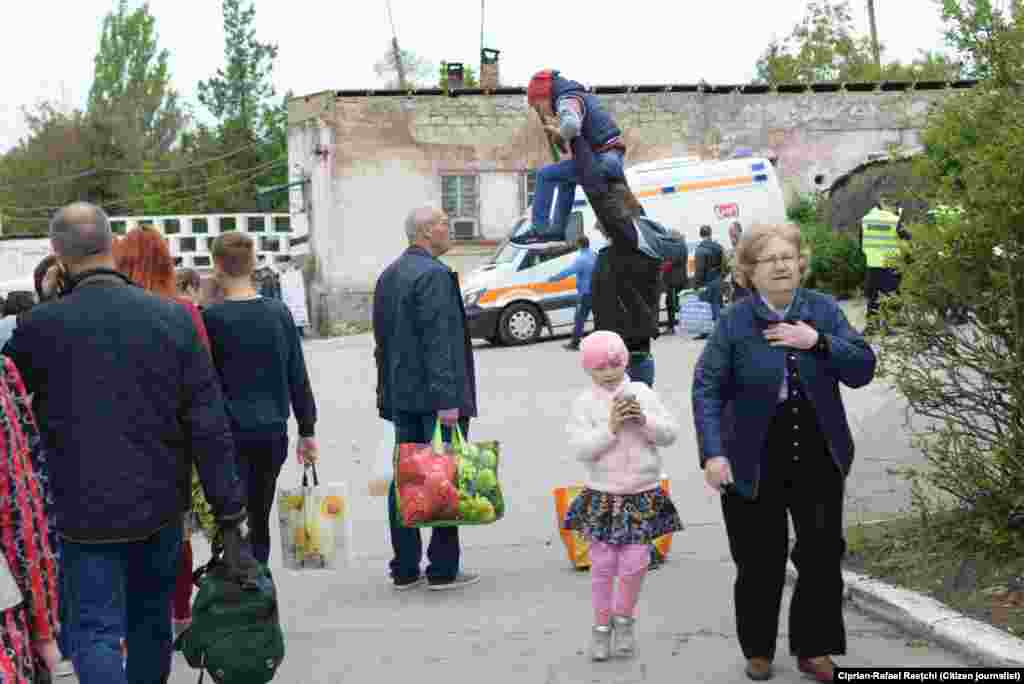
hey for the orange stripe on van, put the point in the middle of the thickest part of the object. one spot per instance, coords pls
(698, 185)
(530, 290)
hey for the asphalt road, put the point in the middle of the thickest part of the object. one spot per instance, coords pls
(528, 620)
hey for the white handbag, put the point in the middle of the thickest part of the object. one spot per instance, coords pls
(10, 592)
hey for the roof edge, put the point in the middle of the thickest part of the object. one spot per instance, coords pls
(702, 88)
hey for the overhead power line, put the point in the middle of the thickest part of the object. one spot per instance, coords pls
(26, 212)
(209, 189)
(124, 171)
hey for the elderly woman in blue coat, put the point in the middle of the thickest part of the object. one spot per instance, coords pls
(775, 442)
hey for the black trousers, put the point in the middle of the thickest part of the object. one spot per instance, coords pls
(879, 281)
(259, 458)
(798, 480)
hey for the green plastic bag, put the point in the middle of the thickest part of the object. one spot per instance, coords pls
(236, 631)
(439, 485)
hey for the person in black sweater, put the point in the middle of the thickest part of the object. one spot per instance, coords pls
(710, 258)
(258, 355)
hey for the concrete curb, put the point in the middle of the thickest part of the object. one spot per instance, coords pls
(931, 619)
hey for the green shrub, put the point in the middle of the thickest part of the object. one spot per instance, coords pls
(837, 263)
(965, 383)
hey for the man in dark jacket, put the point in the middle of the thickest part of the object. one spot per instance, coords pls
(675, 278)
(710, 259)
(425, 372)
(127, 400)
(580, 115)
(626, 285)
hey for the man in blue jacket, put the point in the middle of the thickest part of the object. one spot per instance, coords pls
(425, 373)
(583, 268)
(127, 400)
(579, 115)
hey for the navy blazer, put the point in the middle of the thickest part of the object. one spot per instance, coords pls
(424, 354)
(738, 377)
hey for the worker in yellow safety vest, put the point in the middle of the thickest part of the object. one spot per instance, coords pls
(881, 232)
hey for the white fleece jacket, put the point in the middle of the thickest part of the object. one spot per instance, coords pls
(627, 463)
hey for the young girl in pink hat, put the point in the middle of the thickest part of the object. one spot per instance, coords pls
(616, 428)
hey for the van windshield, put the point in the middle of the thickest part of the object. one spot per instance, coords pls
(507, 252)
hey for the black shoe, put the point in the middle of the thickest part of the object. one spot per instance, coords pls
(463, 579)
(535, 236)
(572, 346)
(405, 585)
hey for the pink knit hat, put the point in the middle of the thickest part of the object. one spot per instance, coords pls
(604, 349)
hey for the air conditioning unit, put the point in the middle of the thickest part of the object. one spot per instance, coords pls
(463, 229)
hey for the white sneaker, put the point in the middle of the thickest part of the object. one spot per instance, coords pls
(600, 643)
(625, 637)
(64, 669)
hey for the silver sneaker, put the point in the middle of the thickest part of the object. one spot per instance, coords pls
(625, 638)
(601, 643)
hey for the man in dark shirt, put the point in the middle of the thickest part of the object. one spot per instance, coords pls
(126, 400)
(425, 373)
(710, 259)
(259, 380)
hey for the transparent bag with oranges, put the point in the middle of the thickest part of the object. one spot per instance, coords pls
(316, 525)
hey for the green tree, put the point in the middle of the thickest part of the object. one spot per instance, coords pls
(237, 95)
(45, 169)
(968, 380)
(824, 46)
(241, 97)
(983, 34)
(131, 92)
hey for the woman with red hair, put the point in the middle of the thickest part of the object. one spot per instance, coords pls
(143, 256)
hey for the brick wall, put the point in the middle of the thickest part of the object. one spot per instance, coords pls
(390, 151)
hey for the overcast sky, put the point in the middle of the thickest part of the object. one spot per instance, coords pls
(48, 46)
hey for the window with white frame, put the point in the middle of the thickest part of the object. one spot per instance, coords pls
(460, 199)
(529, 188)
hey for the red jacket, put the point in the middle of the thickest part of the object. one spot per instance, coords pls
(197, 318)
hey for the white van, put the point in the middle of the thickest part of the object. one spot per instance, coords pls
(509, 300)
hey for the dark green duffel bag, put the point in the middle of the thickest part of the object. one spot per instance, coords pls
(236, 631)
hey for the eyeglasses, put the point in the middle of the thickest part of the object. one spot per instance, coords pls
(786, 260)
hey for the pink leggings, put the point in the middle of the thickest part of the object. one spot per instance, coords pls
(628, 562)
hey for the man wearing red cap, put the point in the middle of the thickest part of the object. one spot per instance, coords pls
(579, 114)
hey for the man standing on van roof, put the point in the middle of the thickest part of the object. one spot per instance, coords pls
(579, 114)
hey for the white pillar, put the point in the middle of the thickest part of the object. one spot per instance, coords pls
(321, 192)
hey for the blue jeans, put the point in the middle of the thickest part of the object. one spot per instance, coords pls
(122, 589)
(443, 552)
(641, 368)
(259, 459)
(565, 175)
(583, 307)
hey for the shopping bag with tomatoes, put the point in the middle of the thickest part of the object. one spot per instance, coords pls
(439, 484)
(316, 528)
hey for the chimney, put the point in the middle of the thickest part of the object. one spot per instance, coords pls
(455, 75)
(489, 69)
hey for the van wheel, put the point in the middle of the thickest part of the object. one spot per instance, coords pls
(520, 324)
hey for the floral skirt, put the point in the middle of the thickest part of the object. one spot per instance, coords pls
(623, 518)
